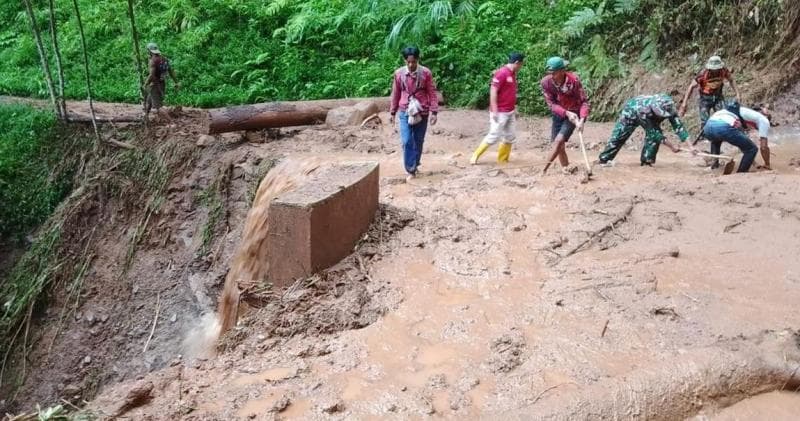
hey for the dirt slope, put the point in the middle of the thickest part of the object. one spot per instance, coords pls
(472, 298)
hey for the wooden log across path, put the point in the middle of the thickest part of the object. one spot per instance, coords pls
(282, 114)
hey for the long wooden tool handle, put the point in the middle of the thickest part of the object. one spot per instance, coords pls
(583, 150)
(709, 155)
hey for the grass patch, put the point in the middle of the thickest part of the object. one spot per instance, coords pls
(213, 198)
(24, 285)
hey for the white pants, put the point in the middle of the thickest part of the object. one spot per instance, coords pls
(504, 129)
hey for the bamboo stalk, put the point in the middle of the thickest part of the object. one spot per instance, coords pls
(86, 69)
(138, 59)
(45, 66)
(62, 105)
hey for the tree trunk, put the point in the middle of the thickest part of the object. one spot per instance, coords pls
(86, 69)
(62, 102)
(45, 66)
(281, 114)
(138, 59)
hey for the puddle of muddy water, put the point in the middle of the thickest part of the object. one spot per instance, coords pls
(273, 375)
(773, 406)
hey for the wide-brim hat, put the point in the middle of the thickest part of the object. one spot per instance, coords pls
(153, 48)
(715, 63)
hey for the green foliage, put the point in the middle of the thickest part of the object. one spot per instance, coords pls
(34, 174)
(211, 198)
(583, 19)
(22, 287)
(597, 65)
(240, 51)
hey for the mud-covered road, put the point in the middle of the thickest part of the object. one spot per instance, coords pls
(487, 300)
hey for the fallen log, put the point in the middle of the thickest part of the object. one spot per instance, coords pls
(75, 118)
(282, 114)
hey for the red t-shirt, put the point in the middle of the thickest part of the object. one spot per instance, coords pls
(506, 83)
(568, 97)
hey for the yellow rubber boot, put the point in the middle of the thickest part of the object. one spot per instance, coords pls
(478, 152)
(503, 152)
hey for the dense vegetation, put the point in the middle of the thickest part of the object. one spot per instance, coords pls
(238, 51)
(34, 174)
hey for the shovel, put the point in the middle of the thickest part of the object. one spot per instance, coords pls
(729, 166)
(585, 159)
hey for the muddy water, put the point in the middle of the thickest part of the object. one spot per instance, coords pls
(474, 271)
(249, 267)
(774, 406)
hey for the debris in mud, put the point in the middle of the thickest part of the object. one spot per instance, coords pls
(733, 225)
(507, 352)
(665, 311)
(425, 404)
(437, 382)
(339, 298)
(280, 405)
(669, 221)
(598, 234)
(425, 192)
(517, 184)
(458, 400)
(674, 252)
(204, 140)
(138, 395)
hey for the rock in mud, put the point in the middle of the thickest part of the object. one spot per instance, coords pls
(332, 406)
(137, 395)
(458, 400)
(281, 404)
(204, 140)
(437, 382)
(352, 115)
(507, 352)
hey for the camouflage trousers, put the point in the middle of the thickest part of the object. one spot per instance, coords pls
(708, 104)
(653, 136)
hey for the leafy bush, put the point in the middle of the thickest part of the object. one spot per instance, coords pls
(240, 51)
(34, 176)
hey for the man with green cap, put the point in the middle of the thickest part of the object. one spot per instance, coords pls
(502, 110)
(647, 111)
(156, 84)
(567, 100)
(710, 82)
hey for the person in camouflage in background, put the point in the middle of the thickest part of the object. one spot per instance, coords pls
(647, 111)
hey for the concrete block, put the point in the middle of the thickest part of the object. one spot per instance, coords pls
(317, 225)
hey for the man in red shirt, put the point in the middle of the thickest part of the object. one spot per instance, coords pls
(414, 95)
(502, 110)
(566, 99)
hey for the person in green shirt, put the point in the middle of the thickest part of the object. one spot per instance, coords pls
(647, 111)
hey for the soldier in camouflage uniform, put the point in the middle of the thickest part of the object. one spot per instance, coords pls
(647, 111)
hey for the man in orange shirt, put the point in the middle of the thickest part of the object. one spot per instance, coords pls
(710, 83)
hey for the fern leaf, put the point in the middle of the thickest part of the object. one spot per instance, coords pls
(580, 21)
(465, 7)
(440, 11)
(626, 6)
(487, 7)
(394, 35)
